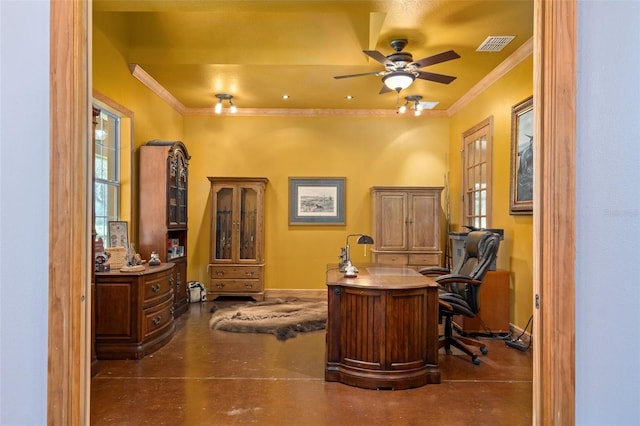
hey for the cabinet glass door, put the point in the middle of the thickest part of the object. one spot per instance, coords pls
(248, 222)
(224, 223)
(181, 189)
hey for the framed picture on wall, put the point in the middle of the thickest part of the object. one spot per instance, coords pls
(118, 234)
(316, 201)
(521, 200)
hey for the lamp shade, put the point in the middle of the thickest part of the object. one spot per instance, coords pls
(398, 80)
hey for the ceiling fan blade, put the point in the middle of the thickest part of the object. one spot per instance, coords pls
(384, 89)
(438, 78)
(436, 59)
(359, 75)
(378, 57)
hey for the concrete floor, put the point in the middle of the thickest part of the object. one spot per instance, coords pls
(207, 377)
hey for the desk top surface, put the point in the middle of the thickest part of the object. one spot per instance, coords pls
(380, 277)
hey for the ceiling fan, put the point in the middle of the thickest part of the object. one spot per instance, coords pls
(402, 70)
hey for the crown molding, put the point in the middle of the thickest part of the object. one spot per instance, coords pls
(497, 73)
(522, 53)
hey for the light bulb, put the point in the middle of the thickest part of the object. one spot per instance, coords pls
(218, 108)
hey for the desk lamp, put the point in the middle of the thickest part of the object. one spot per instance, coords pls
(345, 255)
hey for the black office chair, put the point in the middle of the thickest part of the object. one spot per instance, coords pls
(460, 288)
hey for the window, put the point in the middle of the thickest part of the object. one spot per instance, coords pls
(107, 172)
(476, 160)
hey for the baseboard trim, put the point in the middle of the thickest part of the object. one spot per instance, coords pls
(274, 293)
(517, 331)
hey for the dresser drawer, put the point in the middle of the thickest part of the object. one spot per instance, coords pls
(425, 259)
(392, 259)
(157, 318)
(243, 272)
(157, 286)
(234, 286)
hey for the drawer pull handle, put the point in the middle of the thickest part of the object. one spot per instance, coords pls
(220, 285)
(155, 288)
(249, 273)
(248, 285)
(219, 273)
(157, 320)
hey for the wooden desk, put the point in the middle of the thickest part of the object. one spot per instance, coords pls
(382, 328)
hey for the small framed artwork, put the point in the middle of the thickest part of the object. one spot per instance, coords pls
(118, 234)
(316, 201)
(521, 200)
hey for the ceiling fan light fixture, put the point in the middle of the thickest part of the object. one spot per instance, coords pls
(398, 80)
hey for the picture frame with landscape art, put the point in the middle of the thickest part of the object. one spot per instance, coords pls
(316, 201)
(521, 199)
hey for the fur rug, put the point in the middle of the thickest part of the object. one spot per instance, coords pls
(284, 318)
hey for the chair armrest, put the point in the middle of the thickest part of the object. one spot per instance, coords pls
(432, 271)
(456, 278)
(445, 305)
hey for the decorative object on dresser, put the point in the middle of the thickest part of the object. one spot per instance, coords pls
(284, 318)
(164, 173)
(134, 312)
(406, 225)
(236, 256)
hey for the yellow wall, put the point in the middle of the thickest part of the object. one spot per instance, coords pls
(152, 117)
(516, 251)
(367, 151)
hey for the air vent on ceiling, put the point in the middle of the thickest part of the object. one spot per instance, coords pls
(494, 43)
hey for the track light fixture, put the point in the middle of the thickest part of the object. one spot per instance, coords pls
(416, 107)
(224, 97)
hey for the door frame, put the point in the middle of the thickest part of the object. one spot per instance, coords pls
(554, 212)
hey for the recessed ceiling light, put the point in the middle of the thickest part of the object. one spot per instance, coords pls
(349, 97)
(285, 97)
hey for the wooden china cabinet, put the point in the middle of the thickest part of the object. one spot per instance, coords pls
(236, 257)
(164, 173)
(406, 225)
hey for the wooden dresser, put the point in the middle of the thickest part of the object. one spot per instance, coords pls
(406, 225)
(134, 312)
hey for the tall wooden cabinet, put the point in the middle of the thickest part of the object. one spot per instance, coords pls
(236, 256)
(164, 178)
(406, 225)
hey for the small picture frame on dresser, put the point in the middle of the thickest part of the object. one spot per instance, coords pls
(118, 234)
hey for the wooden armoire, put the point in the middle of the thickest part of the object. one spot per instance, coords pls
(406, 225)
